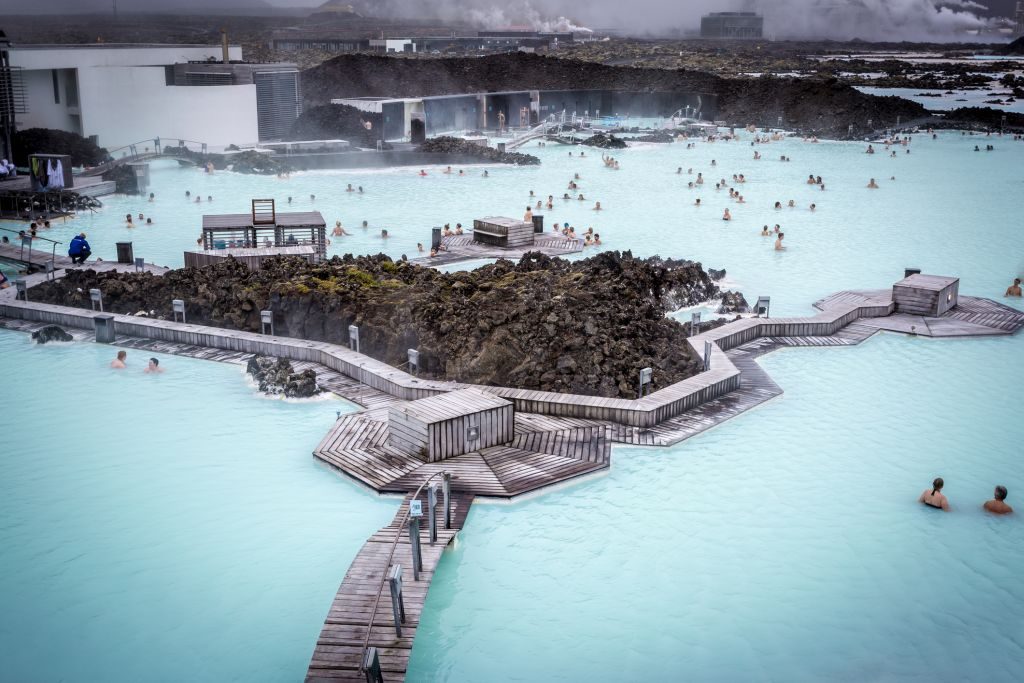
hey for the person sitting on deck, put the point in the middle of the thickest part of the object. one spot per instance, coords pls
(79, 249)
(153, 368)
(528, 216)
(118, 363)
(1014, 289)
(998, 504)
(4, 281)
(458, 228)
(933, 497)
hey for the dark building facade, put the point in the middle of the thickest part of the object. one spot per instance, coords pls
(732, 25)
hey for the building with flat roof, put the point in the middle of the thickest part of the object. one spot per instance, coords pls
(119, 94)
(732, 25)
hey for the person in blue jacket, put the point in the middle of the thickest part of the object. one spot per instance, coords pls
(79, 249)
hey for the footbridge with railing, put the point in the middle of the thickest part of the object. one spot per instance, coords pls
(146, 150)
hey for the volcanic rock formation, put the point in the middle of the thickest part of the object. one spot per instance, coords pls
(585, 326)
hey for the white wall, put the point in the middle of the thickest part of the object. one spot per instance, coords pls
(122, 105)
(42, 111)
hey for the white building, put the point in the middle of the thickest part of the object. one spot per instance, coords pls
(122, 94)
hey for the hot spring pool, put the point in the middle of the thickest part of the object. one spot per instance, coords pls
(176, 527)
(950, 210)
(164, 528)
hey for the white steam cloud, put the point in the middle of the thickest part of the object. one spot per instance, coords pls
(888, 20)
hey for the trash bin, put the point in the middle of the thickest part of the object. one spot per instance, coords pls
(104, 326)
(538, 223)
(125, 254)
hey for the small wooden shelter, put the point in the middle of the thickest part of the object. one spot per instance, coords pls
(503, 232)
(451, 424)
(264, 228)
(930, 295)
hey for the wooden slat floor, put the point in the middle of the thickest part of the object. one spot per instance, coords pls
(339, 649)
(463, 248)
(357, 445)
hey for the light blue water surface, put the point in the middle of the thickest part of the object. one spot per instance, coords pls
(786, 545)
(950, 210)
(163, 528)
(799, 552)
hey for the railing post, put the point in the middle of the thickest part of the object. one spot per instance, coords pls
(432, 512)
(22, 288)
(371, 666)
(446, 486)
(397, 603)
(178, 306)
(414, 546)
(707, 355)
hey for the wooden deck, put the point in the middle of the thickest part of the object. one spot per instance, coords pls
(537, 457)
(339, 649)
(460, 248)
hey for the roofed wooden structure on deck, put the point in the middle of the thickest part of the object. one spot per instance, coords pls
(264, 227)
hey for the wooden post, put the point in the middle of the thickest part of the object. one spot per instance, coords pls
(414, 546)
(371, 666)
(446, 484)
(397, 603)
(707, 355)
(432, 512)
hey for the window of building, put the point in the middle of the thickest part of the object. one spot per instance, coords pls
(56, 87)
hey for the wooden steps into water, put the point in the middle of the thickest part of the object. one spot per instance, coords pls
(338, 654)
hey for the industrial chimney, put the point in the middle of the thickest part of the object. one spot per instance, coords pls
(224, 45)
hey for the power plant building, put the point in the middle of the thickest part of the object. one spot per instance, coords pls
(732, 25)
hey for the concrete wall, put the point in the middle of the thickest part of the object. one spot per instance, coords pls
(122, 105)
(43, 111)
(84, 56)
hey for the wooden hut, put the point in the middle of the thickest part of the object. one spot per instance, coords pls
(930, 295)
(503, 232)
(264, 228)
(451, 424)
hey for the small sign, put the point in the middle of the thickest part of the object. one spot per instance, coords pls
(415, 508)
(645, 375)
(353, 332)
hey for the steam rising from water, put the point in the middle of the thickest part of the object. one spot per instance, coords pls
(890, 20)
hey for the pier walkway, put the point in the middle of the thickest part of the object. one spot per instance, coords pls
(460, 248)
(361, 613)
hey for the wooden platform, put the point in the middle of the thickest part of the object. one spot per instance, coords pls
(339, 649)
(538, 456)
(460, 248)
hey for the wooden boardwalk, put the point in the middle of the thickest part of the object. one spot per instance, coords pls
(537, 457)
(339, 649)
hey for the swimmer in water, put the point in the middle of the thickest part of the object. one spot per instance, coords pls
(152, 196)
(778, 242)
(813, 207)
(765, 232)
(791, 203)
(934, 497)
(458, 228)
(350, 188)
(778, 205)
(700, 179)
(312, 197)
(338, 230)
(679, 171)
(419, 247)
(153, 368)
(697, 203)
(365, 225)
(422, 173)
(528, 216)
(726, 216)
(383, 234)
(998, 504)
(597, 239)
(1014, 289)
(597, 206)
(118, 363)
(872, 184)
(486, 175)
(360, 189)
(447, 171)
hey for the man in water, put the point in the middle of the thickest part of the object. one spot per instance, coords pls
(1014, 289)
(872, 185)
(79, 249)
(778, 242)
(153, 368)
(998, 504)
(118, 363)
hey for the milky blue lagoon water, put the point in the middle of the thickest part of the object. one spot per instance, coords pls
(163, 528)
(785, 545)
